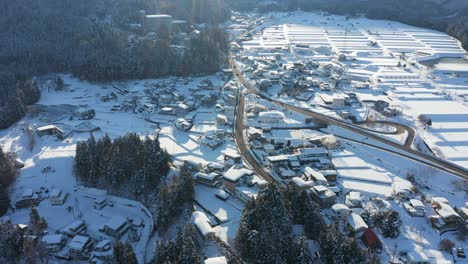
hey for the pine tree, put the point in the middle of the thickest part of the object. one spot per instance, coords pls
(11, 243)
(313, 221)
(37, 223)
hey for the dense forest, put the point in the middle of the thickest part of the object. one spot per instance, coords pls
(439, 15)
(265, 231)
(7, 176)
(94, 40)
(124, 164)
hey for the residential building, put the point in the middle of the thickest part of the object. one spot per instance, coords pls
(80, 247)
(415, 207)
(57, 197)
(235, 177)
(27, 199)
(244, 193)
(212, 179)
(203, 226)
(271, 117)
(54, 243)
(353, 199)
(312, 154)
(75, 228)
(356, 224)
(340, 211)
(116, 226)
(51, 130)
(276, 162)
(216, 260)
(315, 176)
(322, 195)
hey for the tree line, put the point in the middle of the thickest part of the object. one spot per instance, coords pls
(7, 176)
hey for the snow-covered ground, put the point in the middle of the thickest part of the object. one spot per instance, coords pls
(388, 54)
(111, 118)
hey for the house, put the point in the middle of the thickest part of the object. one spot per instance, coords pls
(301, 184)
(80, 247)
(269, 149)
(232, 155)
(356, 224)
(294, 163)
(371, 240)
(203, 226)
(276, 162)
(464, 213)
(75, 228)
(340, 211)
(221, 120)
(54, 243)
(211, 179)
(353, 199)
(216, 260)
(416, 257)
(322, 195)
(28, 198)
(235, 177)
(116, 226)
(271, 117)
(315, 176)
(402, 189)
(245, 194)
(415, 207)
(102, 246)
(57, 197)
(449, 216)
(100, 202)
(51, 130)
(312, 154)
(330, 175)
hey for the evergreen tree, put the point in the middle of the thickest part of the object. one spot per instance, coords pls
(123, 254)
(264, 234)
(37, 223)
(11, 242)
(313, 221)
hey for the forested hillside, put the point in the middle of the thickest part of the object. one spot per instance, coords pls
(94, 40)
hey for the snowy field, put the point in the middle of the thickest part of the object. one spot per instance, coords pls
(375, 49)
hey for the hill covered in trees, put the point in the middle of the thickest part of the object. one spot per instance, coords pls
(94, 40)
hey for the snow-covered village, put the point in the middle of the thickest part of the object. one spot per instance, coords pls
(319, 138)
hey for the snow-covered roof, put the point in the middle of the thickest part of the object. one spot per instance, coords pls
(312, 151)
(234, 174)
(355, 196)
(417, 257)
(103, 243)
(202, 223)
(52, 239)
(49, 127)
(27, 193)
(318, 176)
(440, 199)
(78, 242)
(339, 207)
(356, 222)
(159, 16)
(277, 158)
(216, 260)
(210, 176)
(55, 193)
(232, 154)
(301, 183)
(446, 211)
(271, 114)
(416, 203)
(116, 222)
(251, 192)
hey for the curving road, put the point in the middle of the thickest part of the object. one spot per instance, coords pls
(385, 144)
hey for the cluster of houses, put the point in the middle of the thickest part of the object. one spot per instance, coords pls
(30, 197)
